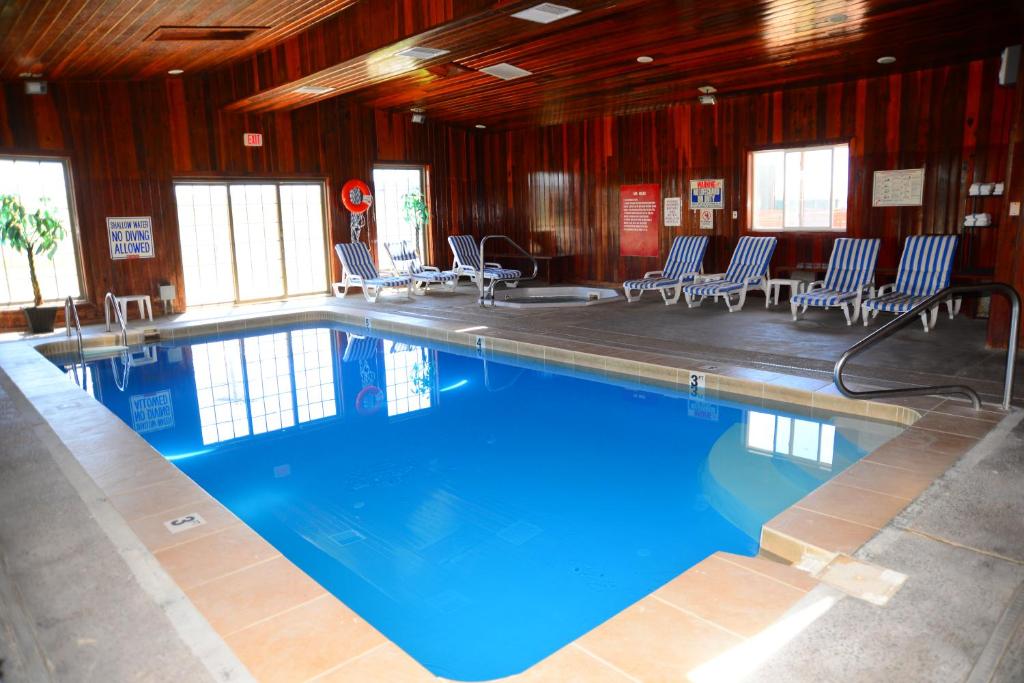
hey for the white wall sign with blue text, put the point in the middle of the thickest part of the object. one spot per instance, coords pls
(707, 193)
(131, 237)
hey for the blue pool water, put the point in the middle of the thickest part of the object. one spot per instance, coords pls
(481, 513)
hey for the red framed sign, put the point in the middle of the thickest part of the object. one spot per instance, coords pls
(638, 219)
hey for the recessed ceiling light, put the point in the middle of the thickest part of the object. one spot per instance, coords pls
(644, 59)
(175, 72)
(480, 126)
(837, 18)
(545, 13)
(417, 110)
(505, 71)
(886, 60)
(707, 89)
(314, 89)
(30, 74)
(421, 52)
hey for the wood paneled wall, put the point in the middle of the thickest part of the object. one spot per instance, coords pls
(556, 188)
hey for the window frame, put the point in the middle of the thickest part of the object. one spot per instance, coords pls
(74, 230)
(824, 144)
(227, 182)
(424, 168)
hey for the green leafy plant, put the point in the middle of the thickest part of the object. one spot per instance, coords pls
(414, 210)
(37, 233)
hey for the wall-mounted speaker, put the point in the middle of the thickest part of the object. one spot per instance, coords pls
(35, 87)
(1009, 66)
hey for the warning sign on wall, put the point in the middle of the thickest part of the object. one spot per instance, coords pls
(130, 237)
(707, 193)
(638, 220)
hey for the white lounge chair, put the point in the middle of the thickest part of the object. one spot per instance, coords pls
(407, 262)
(357, 270)
(467, 262)
(682, 266)
(850, 275)
(925, 268)
(748, 268)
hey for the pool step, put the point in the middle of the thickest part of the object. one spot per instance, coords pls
(103, 352)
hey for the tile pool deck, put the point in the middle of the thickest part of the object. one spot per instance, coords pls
(283, 626)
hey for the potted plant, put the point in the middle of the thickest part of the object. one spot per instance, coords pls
(36, 233)
(414, 209)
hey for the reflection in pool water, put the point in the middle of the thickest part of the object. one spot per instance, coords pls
(480, 513)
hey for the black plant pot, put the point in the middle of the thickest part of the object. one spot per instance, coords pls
(40, 318)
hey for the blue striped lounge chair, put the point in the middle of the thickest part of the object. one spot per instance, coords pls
(407, 262)
(357, 270)
(850, 275)
(925, 268)
(467, 262)
(358, 347)
(683, 264)
(748, 268)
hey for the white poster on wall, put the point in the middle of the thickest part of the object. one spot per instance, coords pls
(904, 187)
(131, 237)
(707, 219)
(707, 193)
(673, 212)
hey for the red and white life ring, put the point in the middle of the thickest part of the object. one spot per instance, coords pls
(355, 195)
(370, 400)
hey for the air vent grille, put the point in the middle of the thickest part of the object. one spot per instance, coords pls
(545, 13)
(422, 52)
(506, 72)
(313, 89)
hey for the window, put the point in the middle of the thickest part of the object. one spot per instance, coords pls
(390, 187)
(800, 189)
(34, 180)
(251, 241)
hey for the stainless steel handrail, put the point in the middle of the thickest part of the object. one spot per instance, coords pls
(480, 273)
(909, 317)
(69, 309)
(110, 301)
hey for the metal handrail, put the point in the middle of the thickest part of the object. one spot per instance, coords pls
(110, 301)
(480, 274)
(69, 309)
(909, 317)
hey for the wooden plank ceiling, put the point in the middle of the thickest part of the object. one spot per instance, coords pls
(581, 66)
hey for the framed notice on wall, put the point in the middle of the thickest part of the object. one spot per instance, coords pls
(131, 237)
(638, 220)
(706, 193)
(898, 188)
(673, 212)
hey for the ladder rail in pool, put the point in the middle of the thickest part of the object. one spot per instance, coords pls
(71, 314)
(909, 317)
(110, 301)
(486, 291)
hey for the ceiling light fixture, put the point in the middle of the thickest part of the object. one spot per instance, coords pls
(837, 18)
(421, 52)
(546, 13)
(706, 99)
(175, 72)
(480, 126)
(644, 59)
(417, 110)
(707, 89)
(886, 60)
(505, 71)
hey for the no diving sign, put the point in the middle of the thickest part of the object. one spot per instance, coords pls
(706, 193)
(131, 237)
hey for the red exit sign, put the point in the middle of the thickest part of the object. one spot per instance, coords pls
(253, 139)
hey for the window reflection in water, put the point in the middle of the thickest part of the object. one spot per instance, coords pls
(805, 440)
(260, 384)
(410, 377)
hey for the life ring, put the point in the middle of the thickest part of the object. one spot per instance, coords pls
(370, 400)
(355, 195)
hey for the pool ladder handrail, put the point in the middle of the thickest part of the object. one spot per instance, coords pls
(71, 313)
(910, 317)
(485, 291)
(110, 301)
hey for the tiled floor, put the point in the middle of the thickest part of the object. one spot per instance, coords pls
(285, 627)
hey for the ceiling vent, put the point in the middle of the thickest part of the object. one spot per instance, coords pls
(204, 32)
(546, 13)
(422, 52)
(506, 72)
(313, 89)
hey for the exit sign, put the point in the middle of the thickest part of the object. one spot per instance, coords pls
(253, 139)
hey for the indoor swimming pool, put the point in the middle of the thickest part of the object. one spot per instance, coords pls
(480, 511)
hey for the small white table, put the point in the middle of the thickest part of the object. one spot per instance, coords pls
(143, 301)
(777, 283)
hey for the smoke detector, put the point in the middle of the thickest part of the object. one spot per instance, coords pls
(422, 52)
(505, 71)
(546, 13)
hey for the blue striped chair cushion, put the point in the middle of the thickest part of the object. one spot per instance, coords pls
(750, 260)
(467, 251)
(355, 259)
(894, 303)
(389, 281)
(685, 256)
(822, 297)
(434, 276)
(712, 288)
(655, 282)
(926, 264)
(502, 274)
(852, 264)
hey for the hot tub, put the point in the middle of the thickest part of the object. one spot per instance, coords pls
(553, 297)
